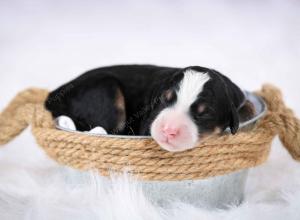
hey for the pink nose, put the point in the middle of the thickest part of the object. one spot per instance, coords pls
(170, 132)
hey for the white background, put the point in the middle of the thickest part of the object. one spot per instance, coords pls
(46, 43)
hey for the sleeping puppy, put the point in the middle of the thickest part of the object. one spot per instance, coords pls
(178, 107)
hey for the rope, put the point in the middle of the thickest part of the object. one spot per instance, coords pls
(143, 157)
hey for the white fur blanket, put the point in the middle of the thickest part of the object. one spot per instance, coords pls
(34, 187)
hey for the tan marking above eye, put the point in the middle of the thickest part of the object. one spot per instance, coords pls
(119, 100)
(169, 94)
(120, 105)
(201, 108)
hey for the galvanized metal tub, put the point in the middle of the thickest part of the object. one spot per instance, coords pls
(214, 192)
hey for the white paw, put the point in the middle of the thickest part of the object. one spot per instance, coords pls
(65, 122)
(97, 130)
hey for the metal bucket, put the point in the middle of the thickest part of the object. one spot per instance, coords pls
(215, 192)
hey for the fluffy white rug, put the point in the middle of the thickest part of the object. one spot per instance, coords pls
(34, 187)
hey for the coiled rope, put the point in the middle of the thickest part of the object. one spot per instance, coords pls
(143, 157)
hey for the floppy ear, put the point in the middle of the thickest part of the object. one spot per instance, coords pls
(234, 120)
(235, 97)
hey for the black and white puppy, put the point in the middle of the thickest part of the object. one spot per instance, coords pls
(176, 106)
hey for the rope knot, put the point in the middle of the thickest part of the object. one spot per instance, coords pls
(22, 111)
(282, 119)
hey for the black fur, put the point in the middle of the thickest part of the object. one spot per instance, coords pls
(90, 99)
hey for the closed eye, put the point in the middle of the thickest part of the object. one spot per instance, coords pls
(205, 115)
(211, 109)
(205, 111)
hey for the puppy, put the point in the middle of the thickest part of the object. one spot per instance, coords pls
(178, 107)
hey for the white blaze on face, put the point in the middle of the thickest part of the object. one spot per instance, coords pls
(189, 88)
(174, 129)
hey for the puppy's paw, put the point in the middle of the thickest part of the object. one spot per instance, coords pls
(97, 130)
(65, 122)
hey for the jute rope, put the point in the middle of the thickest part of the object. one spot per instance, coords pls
(143, 157)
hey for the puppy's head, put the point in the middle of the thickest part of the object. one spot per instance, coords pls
(194, 103)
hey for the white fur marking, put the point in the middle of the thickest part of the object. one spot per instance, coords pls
(189, 88)
(66, 122)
